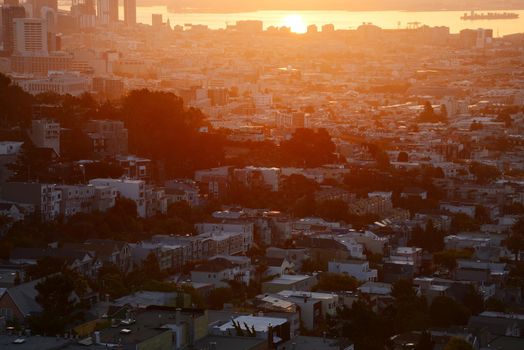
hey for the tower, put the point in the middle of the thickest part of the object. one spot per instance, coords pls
(130, 12)
(9, 14)
(107, 11)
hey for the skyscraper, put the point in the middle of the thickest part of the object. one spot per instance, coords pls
(38, 5)
(9, 13)
(107, 11)
(130, 12)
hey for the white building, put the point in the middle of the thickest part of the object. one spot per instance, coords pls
(358, 269)
(10, 147)
(130, 189)
(255, 176)
(59, 83)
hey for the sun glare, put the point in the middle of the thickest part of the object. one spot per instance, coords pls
(296, 23)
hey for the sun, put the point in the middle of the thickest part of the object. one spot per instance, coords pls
(296, 23)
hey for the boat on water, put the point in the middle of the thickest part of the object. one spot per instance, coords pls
(472, 16)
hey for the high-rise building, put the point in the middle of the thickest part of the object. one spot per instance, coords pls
(156, 20)
(107, 11)
(130, 12)
(84, 13)
(39, 7)
(30, 36)
(9, 13)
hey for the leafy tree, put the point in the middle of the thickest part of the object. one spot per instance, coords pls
(44, 267)
(425, 342)
(364, 327)
(151, 268)
(430, 239)
(31, 164)
(476, 126)
(494, 304)
(445, 312)
(428, 115)
(403, 289)
(308, 148)
(464, 222)
(333, 210)
(218, 297)
(484, 173)
(161, 129)
(59, 309)
(448, 258)
(403, 157)
(16, 104)
(336, 282)
(473, 300)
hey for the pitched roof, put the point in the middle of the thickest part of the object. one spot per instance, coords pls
(24, 296)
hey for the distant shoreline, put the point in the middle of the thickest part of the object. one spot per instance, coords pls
(224, 11)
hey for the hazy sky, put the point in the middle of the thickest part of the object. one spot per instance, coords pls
(346, 4)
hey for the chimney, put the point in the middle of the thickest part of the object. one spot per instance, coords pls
(178, 316)
(97, 337)
(270, 336)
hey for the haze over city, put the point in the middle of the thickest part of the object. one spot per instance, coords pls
(262, 175)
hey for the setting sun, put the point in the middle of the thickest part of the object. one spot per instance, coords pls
(296, 23)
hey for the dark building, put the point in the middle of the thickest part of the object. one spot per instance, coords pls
(9, 13)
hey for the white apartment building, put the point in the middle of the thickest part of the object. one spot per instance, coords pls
(130, 189)
(244, 229)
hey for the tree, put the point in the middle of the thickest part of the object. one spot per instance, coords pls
(458, 344)
(161, 129)
(403, 157)
(16, 104)
(151, 268)
(44, 267)
(336, 282)
(403, 289)
(31, 164)
(448, 258)
(59, 309)
(476, 126)
(218, 297)
(463, 222)
(425, 342)
(428, 115)
(445, 312)
(308, 147)
(473, 300)
(333, 210)
(484, 173)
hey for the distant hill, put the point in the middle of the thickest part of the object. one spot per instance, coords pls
(355, 5)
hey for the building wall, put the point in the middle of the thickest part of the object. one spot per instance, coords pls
(163, 341)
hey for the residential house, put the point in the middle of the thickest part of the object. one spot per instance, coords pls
(358, 269)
